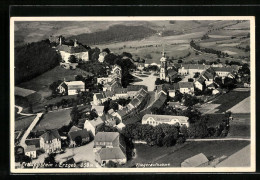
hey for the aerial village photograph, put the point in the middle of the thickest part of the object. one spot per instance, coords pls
(133, 94)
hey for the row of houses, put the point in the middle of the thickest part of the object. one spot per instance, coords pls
(116, 93)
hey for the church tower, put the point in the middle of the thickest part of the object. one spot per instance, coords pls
(163, 68)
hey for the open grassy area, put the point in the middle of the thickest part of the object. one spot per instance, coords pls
(53, 120)
(240, 125)
(175, 155)
(213, 148)
(42, 82)
(230, 99)
(23, 122)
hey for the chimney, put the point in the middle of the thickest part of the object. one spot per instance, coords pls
(75, 43)
(60, 38)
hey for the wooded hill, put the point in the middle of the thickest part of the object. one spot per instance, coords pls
(34, 59)
(116, 33)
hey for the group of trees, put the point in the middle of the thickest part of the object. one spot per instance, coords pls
(161, 135)
(34, 59)
(115, 33)
(208, 50)
(228, 83)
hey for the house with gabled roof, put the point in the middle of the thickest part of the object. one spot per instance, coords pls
(199, 160)
(71, 87)
(184, 87)
(222, 71)
(77, 50)
(92, 125)
(31, 151)
(199, 83)
(154, 120)
(82, 133)
(109, 146)
(50, 141)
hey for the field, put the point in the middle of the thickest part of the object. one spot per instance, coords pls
(242, 107)
(41, 83)
(177, 154)
(53, 120)
(240, 126)
(22, 123)
(230, 99)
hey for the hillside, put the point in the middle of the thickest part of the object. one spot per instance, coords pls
(116, 33)
(34, 59)
(27, 32)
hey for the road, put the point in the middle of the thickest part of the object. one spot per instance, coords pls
(30, 128)
(20, 110)
(219, 139)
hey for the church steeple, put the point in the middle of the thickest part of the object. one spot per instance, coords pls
(163, 68)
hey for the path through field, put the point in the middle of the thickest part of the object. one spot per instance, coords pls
(242, 107)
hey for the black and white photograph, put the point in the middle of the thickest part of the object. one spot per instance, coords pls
(132, 94)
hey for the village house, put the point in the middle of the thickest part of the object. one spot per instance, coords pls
(184, 87)
(83, 134)
(92, 125)
(71, 87)
(224, 72)
(50, 141)
(191, 69)
(199, 83)
(79, 51)
(155, 120)
(109, 146)
(31, 151)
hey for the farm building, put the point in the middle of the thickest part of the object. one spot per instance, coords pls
(31, 151)
(154, 120)
(71, 87)
(78, 137)
(199, 160)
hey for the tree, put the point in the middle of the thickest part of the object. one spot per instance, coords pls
(190, 100)
(74, 114)
(79, 78)
(106, 50)
(199, 129)
(105, 128)
(50, 159)
(78, 140)
(179, 61)
(197, 74)
(184, 130)
(148, 56)
(178, 96)
(190, 80)
(129, 55)
(73, 59)
(229, 83)
(169, 141)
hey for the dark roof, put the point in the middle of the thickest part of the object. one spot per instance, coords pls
(82, 133)
(136, 87)
(49, 135)
(135, 102)
(201, 80)
(160, 101)
(74, 128)
(172, 72)
(122, 112)
(185, 84)
(120, 90)
(100, 95)
(30, 148)
(142, 92)
(111, 153)
(35, 142)
(106, 137)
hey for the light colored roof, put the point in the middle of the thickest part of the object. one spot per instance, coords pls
(111, 153)
(98, 108)
(120, 125)
(195, 161)
(23, 92)
(30, 148)
(96, 122)
(106, 136)
(75, 85)
(71, 49)
(166, 118)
